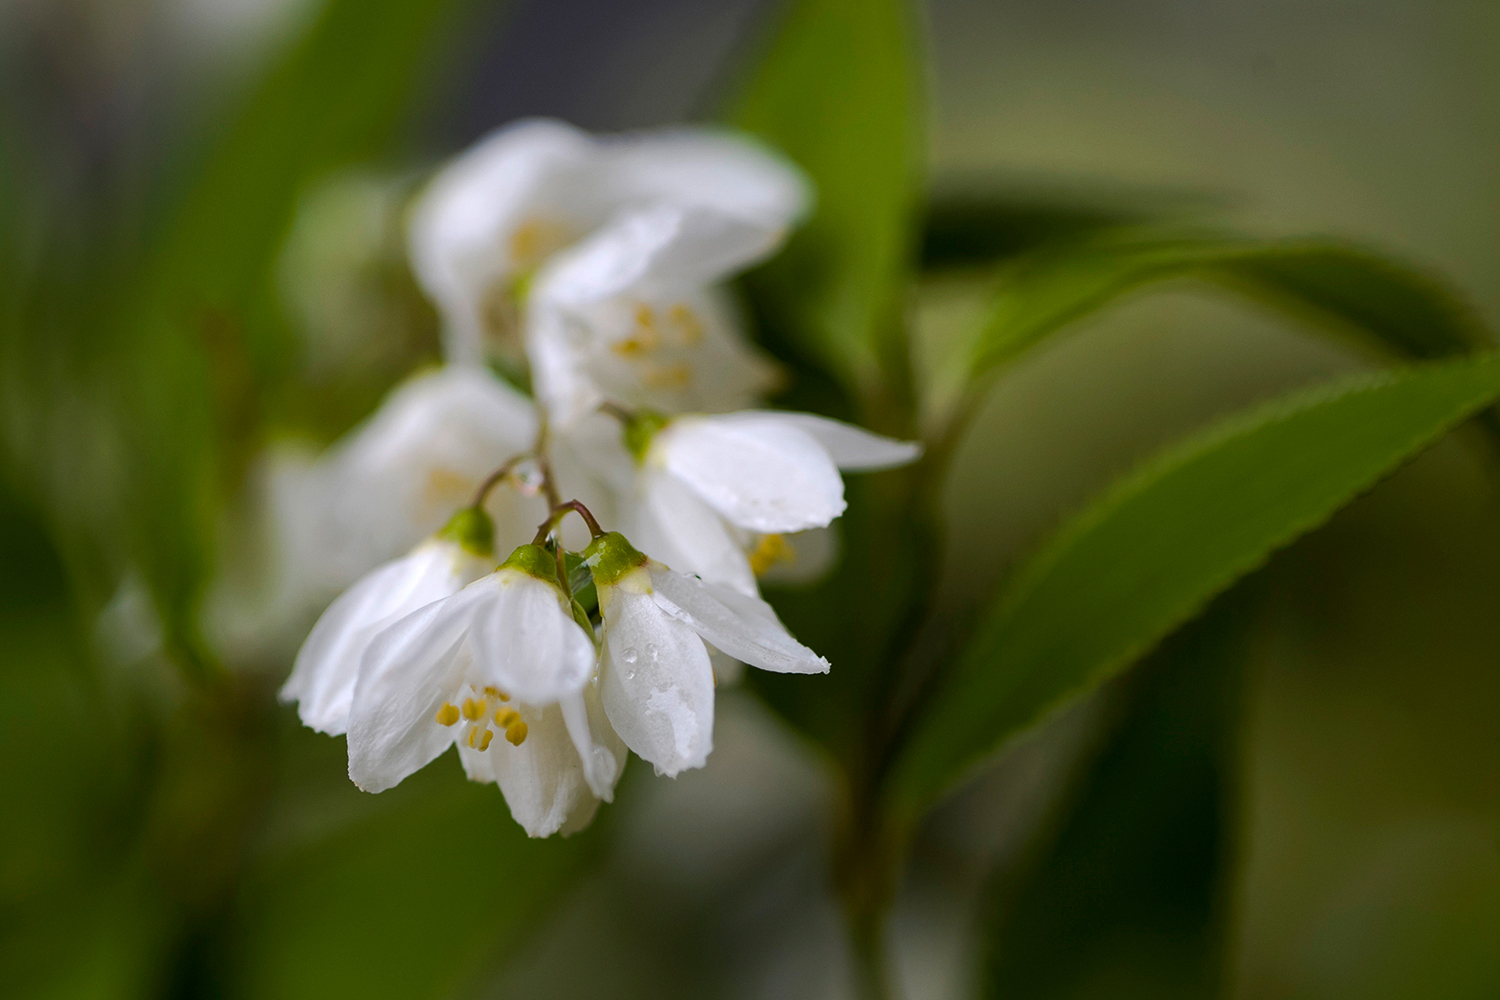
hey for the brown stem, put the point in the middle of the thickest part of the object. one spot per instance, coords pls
(560, 511)
(494, 478)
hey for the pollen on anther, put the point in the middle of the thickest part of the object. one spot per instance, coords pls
(473, 709)
(506, 716)
(484, 741)
(515, 733)
(447, 715)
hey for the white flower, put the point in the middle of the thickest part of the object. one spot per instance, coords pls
(448, 673)
(707, 482)
(655, 677)
(631, 316)
(491, 217)
(393, 480)
(327, 667)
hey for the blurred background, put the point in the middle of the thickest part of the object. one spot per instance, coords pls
(1320, 821)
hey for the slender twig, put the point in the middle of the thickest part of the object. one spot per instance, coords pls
(494, 478)
(560, 511)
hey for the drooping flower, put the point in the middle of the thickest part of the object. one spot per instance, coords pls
(327, 666)
(632, 315)
(707, 485)
(655, 678)
(394, 479)
(496, 213)
(506, 654)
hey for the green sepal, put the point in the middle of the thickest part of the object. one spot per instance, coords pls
(581, 583)
(473, 530)
(641, 429)
(611, 557)
(533, 560)
(582, 618)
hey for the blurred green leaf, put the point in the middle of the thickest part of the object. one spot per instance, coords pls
(965, 229)
(838, 93)
(202, 326)
(1149, 552)
(417, 899)
(1126, 895)
(1357, 292)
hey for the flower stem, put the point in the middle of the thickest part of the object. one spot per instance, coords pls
(494, 478)
(560, 511)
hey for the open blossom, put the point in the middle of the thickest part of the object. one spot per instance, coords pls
(631, 316)
(496, 213)
(397, 477)
(504, 655)
(655, 677)
(327, 667)
(707, 483)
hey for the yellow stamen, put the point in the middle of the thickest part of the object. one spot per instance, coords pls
(770, 550)
(474, 709)
(496, 693)
(447, 715)
(473, 732)
(484, 741)
(687, 322)
(505, 717)
(669, 377)
(515, 733)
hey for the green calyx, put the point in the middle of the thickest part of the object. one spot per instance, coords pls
(611, 557)
(473, 530)
(533, 560)
(640, 429)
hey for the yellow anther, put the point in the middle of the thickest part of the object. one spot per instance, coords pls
(473, 732)
(534, 239)
(770, 550)
(484, 741)
(447, 715)
(505, 717)
(496, 693)
(628, 347)
(474, 709)
(515, 733)
(669, 377)
(687, 322)
(644, 317)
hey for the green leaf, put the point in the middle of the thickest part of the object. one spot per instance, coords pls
(416, 900)
(1123, 895)
(201, 334)
(1357, 292)
(837, 92)
(1153, 549)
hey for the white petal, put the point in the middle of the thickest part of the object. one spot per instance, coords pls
(758, 471)
(542, 779)
(663, 245)
(744, 627)
(526, 642)
(323, 677)
(409, 670)
(854, 448)
(656, 681)
(599, 748)
(711, 168)
(464, 241)
(669, 523)
(398, 477)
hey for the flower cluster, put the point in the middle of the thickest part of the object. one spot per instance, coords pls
(594, 269)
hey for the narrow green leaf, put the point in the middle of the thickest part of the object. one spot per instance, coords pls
(1357, 292)
(1153, 549)
(416, 901)
(1123, 895)
(837, 92)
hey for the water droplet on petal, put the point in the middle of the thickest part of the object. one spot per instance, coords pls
(629, 656)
